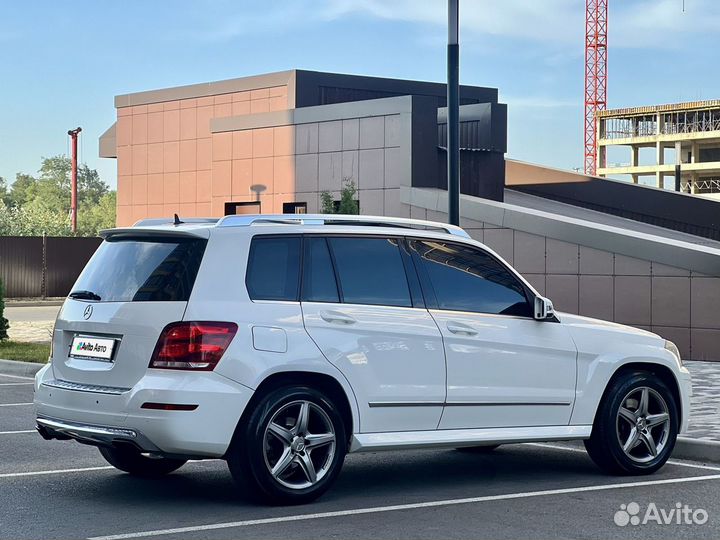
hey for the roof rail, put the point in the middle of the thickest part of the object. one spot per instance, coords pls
(171, 221)
(338, 219)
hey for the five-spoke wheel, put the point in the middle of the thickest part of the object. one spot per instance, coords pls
(635, 426)
(291, 448)
(299, 444)
(643, 424)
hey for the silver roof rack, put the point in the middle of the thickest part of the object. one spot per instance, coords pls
(338, 219)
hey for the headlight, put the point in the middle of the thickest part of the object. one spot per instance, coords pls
(670, 346)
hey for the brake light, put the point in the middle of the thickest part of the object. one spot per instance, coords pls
(192, 345)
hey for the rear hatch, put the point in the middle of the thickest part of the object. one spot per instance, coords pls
(134, 285)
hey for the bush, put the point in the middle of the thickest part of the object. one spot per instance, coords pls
(348, 204)
(4, 324)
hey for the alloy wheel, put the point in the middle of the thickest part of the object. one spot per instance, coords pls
(643, 424)
(299, 444)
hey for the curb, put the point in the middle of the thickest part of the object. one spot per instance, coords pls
(9, 303)
(20, 369)
(697, 450)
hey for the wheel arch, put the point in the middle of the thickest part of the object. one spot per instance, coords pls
(327, 384)
(664, 373)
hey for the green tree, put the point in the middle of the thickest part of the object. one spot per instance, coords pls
(4, 324)
(4, 194)
(93, 217)
(348, 204)
(42, 204)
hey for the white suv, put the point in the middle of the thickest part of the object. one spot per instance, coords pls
(280, 343)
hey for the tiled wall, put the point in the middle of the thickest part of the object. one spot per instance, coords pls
(672, 302)
(369, 151)
(295, 163)
(165, 151)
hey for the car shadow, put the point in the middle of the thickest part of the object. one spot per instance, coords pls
(394, 477)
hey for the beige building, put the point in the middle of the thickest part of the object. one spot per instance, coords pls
(690, 130)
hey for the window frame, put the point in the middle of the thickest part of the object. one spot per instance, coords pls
(300, 267)
(429, 290)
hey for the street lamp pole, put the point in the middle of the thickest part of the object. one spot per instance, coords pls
(73, 179)
(453, 113)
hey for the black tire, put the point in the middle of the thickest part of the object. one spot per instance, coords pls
(133, 462)
(478, 449)
(604, 445)
(247, 460)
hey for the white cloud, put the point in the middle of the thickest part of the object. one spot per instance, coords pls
(632, 23)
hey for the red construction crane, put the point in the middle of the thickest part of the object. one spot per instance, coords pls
(595, 75)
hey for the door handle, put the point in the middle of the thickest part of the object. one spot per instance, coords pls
(336, 317)
(461, 328)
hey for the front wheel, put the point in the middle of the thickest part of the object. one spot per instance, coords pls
(133, 462)
(292, 447)
(635, 427)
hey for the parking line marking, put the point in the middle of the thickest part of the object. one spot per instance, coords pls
(14, 404)
(398, 507)
(15, 383)
(17, 377)
(670, 461)
(53, 471)
(18, 431)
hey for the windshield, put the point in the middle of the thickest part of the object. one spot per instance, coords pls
(141, 269)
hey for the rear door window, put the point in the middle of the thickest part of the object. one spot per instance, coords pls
(370, 271)
(143, 269)
(273, 271)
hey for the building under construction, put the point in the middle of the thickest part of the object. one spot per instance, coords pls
(690, 131)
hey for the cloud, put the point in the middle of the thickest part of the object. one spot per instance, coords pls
(632, 23)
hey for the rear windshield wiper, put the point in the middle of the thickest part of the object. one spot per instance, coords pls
(84, 295)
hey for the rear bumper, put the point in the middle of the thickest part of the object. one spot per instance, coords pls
(107, 416)
(51, 428)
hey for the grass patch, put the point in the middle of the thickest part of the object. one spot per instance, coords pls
(25, 352)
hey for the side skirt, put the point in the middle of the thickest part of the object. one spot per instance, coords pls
(366, 442)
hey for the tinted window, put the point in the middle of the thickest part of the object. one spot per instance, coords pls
(468, 279)
(371, 271)
(274, 268)
(318, 275)
(143, 269)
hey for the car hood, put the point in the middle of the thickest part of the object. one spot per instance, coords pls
(579, 321)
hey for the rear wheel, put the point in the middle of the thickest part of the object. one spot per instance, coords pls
(635, 427)
(133, 462)
(292, 447)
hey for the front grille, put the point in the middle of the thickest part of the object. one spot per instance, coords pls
(80, 387)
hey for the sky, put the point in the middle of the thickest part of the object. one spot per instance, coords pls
(61, 63)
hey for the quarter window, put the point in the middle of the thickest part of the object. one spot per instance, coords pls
(370, 271)
(468, 279)
(274, 268)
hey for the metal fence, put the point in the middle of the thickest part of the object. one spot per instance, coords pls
(41, 266)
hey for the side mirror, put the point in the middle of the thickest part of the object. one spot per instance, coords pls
(543, 308)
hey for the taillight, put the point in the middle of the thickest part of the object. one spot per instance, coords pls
(192, 345)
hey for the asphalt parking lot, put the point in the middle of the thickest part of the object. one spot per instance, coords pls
(54, 489)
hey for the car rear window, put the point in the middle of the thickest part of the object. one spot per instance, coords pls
(143, 269)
